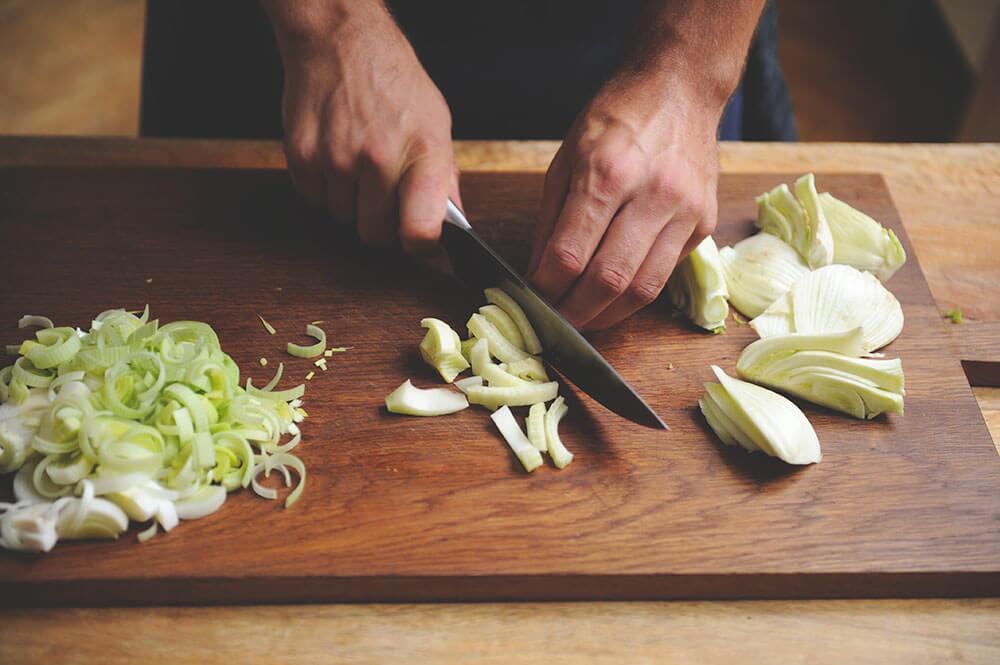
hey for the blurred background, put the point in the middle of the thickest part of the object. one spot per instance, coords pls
(858, 70)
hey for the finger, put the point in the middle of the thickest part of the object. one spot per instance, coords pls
(553, 196)
(305, 163)
(595, 196)
(629, 239)
(376, 204)
(423, 201)
(652, 275)
(455, 190)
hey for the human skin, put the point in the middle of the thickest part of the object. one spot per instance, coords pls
(631, 190)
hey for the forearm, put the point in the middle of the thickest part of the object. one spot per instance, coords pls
(694, 45)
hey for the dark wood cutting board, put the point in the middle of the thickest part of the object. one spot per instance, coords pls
(400, 508)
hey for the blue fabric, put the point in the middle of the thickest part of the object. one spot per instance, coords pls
(731, 127)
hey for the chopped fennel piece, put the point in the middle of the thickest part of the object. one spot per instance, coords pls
(312, 350)
(758, 419)
(494, 397)
(34, 321)
(468, 382)
(835, 298)
(500, 346)
(412, 401)
(441, 349)
(759, 270)
(466, 348)
(827, 369)
(530, 369)
(557, 451)
(267, 326)
(536, 427)
(504, 323)
(146, 534)
(321, 363)
(955, 315)
(698, 288)
(483, 366)
(526, 453)
(861, 242)
(310, 375)
(500, 298)
(799, 220)
(263, 362)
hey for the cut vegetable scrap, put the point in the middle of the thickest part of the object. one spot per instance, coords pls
(500, 347)
(955, 315)
(312, 350)
(526, 453)
(492, 374)
(495, 397)
(132, 419)
(758, 419)
(530, 369)
(557, 451)
(441, 349)
(835, 299)
(799, 220)
(412, 401)
(759, 270)
(263, 362)
(861, 242)
(310, 375)
(827, 369)
(267, 326)
(504, 323)
(501, 299)
(536, 427)
(698, 288)
(321, 363)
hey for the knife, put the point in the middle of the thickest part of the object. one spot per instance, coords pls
(569, 352)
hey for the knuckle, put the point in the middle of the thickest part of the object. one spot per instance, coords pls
(642, 292)
(568, 260)
(301, 151)
(612, 279)
(610, 172)
(337, 159)
(379, 153)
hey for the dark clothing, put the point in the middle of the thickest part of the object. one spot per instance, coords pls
(509, 70)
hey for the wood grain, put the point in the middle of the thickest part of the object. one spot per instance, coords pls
(402, 508)
(707, 633)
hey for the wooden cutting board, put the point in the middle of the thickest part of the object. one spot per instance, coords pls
(400, 508)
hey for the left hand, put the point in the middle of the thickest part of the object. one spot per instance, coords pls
(631, 191)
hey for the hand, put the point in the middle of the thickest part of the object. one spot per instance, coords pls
(367, 133)
(631, 191)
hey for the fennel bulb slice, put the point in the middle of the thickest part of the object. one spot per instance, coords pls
(798, 219)
(758, 419)
(441, 348)
(698, 288)
(861, 242)
(409, 400)
(835, 298)
(826, 369)
(759, 270)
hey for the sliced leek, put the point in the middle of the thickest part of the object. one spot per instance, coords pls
(501, 299)
(526, 453)
(835, 299)
(697, 287)
(758, 419)
(827, 369)
(409, 400)
(861, 242)
(759, 270)
(441, 349)
(312, 350)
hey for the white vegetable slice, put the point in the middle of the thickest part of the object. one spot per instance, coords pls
(835, 299)
(441, 349)
(536, 426)
(91, 518)
(759, 419)
(759, 270)
(494, 398)
(504, 323)
(492, 374)
(697, 287)
(531, 368)
(501, 299)
(861, 242)
(557, 451)
(468, 382)
(500, 347)
(826, 369)
(204, 502)
(798, 220)
(819, 246)
(29, 527)
(526, 453)
(412, 401)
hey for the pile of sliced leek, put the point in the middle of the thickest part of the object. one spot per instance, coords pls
(134, 421)
(812, 284)
(501, 331)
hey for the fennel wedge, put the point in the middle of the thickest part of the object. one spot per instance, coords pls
(759, 270)
(697, 287)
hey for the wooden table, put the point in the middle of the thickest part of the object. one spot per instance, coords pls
(949, 198)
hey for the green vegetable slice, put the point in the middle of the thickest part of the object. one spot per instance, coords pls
(531, 369)
(526, 453)
(557, 451)
(495, 397)
(697, 287)
(861, 242)
(536, 427)
(313, 350)
(504, 323)
(492, 374)
(441, 349)
(500, 347)
(501, 299)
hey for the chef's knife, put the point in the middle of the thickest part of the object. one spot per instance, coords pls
(475, 262)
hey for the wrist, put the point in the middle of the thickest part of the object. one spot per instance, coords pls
(308, 28)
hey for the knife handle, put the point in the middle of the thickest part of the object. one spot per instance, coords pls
(454, 216)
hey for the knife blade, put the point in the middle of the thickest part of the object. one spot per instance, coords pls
(565, 349)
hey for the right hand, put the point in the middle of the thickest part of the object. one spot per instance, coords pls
(367, 133)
